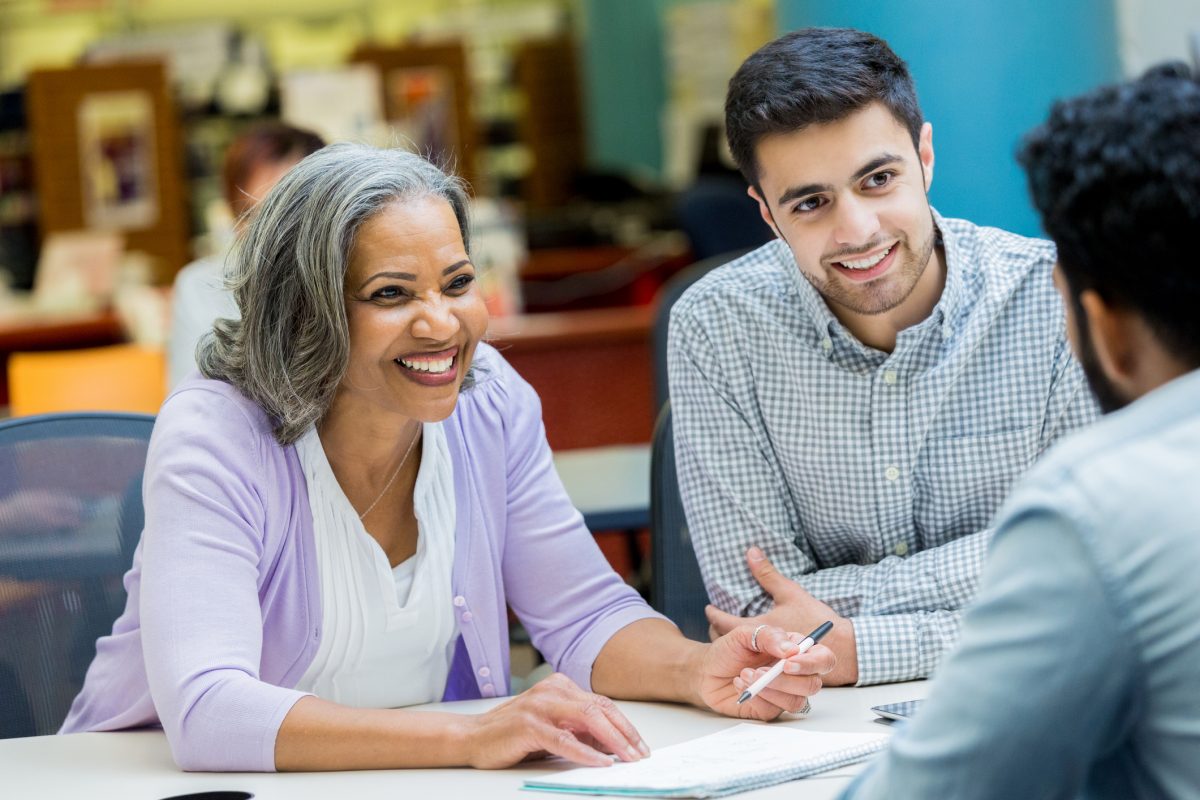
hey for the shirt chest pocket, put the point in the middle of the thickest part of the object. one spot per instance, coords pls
(959, 482)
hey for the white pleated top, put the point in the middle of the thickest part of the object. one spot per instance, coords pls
(387, 636)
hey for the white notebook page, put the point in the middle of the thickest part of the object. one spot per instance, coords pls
(740, 757)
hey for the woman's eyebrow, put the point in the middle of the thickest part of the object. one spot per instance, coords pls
(408, 276)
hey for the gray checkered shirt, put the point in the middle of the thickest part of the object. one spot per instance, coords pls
(868, 477)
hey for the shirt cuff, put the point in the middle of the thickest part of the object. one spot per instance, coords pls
(893, 648)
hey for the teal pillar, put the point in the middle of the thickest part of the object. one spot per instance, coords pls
(986, 72)
(624, 84)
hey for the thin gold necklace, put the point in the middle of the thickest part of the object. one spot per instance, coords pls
(392, 479)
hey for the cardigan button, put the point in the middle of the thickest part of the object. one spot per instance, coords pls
(484, 672)
(488, 690)
(467, 616)
(459, 601)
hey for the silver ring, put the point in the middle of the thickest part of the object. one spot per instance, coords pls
(754, 638)
(807, 707)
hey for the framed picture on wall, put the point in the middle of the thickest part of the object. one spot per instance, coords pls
(107, 157)
(427, 101)
(118, 160)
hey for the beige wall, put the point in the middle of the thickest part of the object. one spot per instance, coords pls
(299, 33)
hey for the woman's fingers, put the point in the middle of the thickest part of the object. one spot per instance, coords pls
(562, 742)
(800, 685)
(775, 642)
(563, 705)
(599, 716)
(619, 721)
(782, 700)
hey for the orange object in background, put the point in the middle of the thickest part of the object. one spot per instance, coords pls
(122, 377)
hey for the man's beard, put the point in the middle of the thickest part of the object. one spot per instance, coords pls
(1107, 395)
(870, 300)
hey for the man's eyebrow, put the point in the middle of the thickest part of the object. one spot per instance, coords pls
(802, 191)
(812, 188)
(875, 163)
(408, 276)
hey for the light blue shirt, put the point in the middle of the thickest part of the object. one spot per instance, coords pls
(1078, 670)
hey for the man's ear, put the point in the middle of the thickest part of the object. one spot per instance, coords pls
(1113, 336)
(763, 210)
(925, 152)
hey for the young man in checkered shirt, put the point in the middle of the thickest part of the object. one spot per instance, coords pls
(853, 400)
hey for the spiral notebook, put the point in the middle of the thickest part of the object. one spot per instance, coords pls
(737, 759)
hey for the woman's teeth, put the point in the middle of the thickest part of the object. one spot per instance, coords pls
(435, 367)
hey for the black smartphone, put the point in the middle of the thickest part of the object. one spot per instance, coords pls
(897, 710)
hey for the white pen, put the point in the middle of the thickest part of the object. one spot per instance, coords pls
(805, 644)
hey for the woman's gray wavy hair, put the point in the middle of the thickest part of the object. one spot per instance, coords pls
(287, 271)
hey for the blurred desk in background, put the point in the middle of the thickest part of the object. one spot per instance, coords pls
(609, 485)
(42, 330)
(592, 370)
(608, 276)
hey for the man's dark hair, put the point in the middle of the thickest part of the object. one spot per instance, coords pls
(813, 76)
(1115, 175)
(265, 143)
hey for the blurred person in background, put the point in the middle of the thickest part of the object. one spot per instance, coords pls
(343, 505)
(254, 163)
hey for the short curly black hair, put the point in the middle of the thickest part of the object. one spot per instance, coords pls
(1115, 175)
(809, 77)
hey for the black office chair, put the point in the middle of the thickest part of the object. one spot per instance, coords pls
(676, 586)
(717, 216)
(671, 291)
(70, 519)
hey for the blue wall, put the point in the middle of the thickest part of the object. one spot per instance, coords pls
(986, 71)
(624, 84)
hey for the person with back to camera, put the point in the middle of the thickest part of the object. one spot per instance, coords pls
(253, 163)
(340, 509)
(1076, 676)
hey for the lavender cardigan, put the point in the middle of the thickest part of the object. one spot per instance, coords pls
(224, 612)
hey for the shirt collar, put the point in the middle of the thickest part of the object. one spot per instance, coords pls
(951, 301)
(946, 309)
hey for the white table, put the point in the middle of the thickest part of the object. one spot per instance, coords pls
(137, 764)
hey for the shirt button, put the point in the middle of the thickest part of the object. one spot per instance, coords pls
(901, 549)
(484, 672)
(891, 473)
(488, 690)
(459, 601)
(467, 616)
(889, 377)
(826, 344)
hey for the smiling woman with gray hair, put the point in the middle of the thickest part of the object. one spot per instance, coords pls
(339, 511)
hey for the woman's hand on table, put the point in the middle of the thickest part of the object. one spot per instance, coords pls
(731, 664)
(555, 717)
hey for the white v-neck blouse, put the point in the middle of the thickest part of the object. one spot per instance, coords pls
(388, 634)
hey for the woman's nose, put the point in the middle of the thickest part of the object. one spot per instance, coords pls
(435, 320)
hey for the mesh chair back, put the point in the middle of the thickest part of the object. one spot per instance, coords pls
(677, 588)
(670, 292)
(70, 518)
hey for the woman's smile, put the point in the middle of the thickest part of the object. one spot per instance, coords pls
(430, 369)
